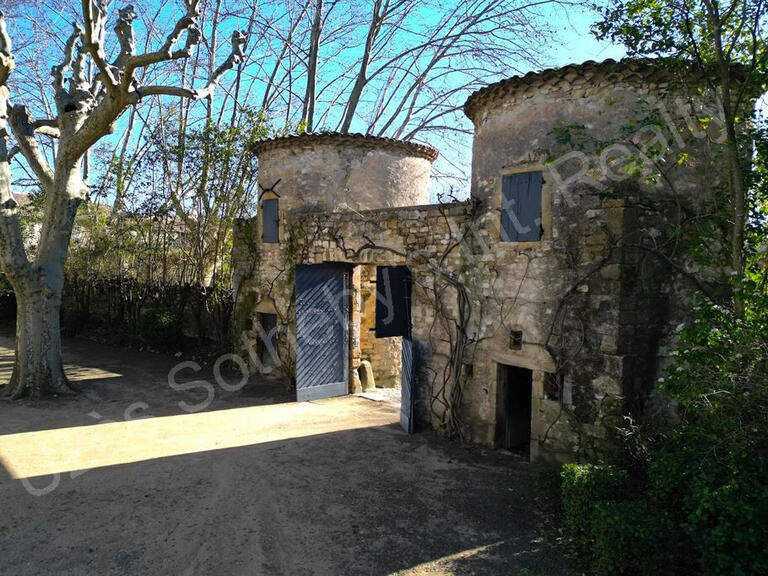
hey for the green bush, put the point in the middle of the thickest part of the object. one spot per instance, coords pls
(7, 301)
(160, 325)
(729, 525)
(548, 483)
(712, 471)
(721, 505)
(5, 286)
(584, 487)
(699, 498)
(634, 538)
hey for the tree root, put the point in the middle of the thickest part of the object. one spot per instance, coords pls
(17, 390)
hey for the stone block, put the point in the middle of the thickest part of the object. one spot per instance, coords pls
(367, 380)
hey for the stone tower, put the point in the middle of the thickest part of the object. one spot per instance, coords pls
(329, 172)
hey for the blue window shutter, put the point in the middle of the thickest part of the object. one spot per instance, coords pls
(270, 221)
(521, 207)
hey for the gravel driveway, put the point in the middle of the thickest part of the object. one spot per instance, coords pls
(253, 484)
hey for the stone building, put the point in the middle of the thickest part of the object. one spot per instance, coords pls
(537, 312)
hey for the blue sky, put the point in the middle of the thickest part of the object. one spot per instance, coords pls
(578, 44)
(574, 44)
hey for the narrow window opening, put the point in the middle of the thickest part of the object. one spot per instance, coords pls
(516, 340)
(270, 221)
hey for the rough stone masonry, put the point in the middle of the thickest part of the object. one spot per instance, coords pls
(582, 306)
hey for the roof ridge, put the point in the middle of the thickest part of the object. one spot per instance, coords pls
(645, 68)
(413, 148)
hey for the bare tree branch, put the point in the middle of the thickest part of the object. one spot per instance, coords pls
(125, 35)
(95, 16)
(187, 23)
(59, 72)
(22, 124)
(12, 255)
(6, 55)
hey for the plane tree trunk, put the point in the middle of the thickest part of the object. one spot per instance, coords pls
(38, 369)
(87, 109)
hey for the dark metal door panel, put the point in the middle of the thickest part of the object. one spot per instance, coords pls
(322, 345)
(393, 301)
(407, 386)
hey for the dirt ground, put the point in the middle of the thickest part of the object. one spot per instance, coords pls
(122, 479)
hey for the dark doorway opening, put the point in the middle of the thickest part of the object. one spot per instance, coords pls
(267, 342)
(393, 320)
(513, 408)
(393, 301)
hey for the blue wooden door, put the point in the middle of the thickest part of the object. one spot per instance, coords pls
(322, 343)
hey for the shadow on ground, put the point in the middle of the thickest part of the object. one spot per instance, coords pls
(329, 488)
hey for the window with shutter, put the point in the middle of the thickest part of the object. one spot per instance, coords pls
(521, 207)
(270, 221)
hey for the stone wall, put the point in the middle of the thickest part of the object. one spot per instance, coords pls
(625, 167)
(507, 288)
(415, 236)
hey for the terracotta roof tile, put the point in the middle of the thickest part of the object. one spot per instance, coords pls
(373, 142)
(629, 69)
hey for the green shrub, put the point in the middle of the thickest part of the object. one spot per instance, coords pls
(584, 487)
(720, 504)
(7, 301)
(5, 285)
(633, 538)
(729, 525)
(712, 471)
(548, 483)
(160, 325)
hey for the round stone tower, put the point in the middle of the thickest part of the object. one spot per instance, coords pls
(331, 172)
(557, 119)
(583, 174)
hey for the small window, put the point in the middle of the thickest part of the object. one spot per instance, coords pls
(270, 221)
(521, 207)
(516, 340)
